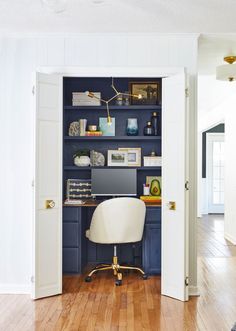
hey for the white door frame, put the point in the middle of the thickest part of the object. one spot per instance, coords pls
(66, 71)
(209, 138)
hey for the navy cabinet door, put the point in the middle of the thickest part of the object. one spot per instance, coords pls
(73, 240)
(152, 248)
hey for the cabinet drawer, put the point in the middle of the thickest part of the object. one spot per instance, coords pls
(153, 215)
(71, 214)
(71, 260)
(70, 234)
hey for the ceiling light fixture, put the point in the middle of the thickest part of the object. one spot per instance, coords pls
(57, 6)
(117, 93)
(227, 71)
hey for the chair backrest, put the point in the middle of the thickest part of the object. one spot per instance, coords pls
(118, 220)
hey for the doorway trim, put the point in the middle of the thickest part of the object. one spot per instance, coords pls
(65, 71)
(209, 136)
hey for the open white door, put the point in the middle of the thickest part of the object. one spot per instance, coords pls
(174, 277)
(47, 228)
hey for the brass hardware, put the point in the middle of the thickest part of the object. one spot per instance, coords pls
(171, 205)
(49, 204)
(230, 59)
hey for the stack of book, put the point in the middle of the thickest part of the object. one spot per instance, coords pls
(82, 99)
(93, 133)
(151, 199)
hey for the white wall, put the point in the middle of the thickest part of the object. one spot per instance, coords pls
(230, 168)
(18, 59)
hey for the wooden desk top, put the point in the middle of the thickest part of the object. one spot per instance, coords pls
(95, 203)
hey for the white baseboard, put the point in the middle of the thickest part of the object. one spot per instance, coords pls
(193, 291)
(15, 289)
(230, 238)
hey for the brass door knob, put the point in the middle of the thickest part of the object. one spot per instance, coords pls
(171, 205)
(49, 204)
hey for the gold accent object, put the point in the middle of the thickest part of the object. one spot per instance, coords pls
(172, 205)
(230, 59)
(116, 270)
(92, 128)
(117, 94)
(49, 204)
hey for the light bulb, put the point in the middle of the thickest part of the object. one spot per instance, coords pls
(109, 120)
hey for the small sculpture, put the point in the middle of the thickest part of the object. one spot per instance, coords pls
(74, 129)
(97, 159)
(81, 158)
(82, 161)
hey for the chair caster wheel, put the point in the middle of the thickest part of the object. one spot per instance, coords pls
(88, 279)
(118, 282)
(145, 277)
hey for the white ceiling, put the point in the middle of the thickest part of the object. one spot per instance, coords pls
(167, 16)
(212, 49)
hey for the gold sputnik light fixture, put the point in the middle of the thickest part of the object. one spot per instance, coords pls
(117, 93)
(227, 71)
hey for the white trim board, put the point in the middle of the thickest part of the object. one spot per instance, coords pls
(230, 238)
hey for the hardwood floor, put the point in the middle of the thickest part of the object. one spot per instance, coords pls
(137, 304)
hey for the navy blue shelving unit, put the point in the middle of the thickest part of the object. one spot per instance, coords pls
(73, 219)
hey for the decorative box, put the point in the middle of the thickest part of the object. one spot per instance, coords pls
(82, 99)
(78, 189)
(152, 161)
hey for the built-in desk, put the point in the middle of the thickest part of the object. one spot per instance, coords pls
(78, 250)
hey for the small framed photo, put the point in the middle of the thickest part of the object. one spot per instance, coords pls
(116, 158)
(134, 156)
(150, 92)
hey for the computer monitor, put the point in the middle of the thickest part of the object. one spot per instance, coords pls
(114, 182)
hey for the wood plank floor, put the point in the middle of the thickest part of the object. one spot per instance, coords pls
(137, 304)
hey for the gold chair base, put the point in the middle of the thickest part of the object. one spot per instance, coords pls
(116, 270)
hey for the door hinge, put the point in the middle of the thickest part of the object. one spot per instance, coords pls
(186, 281)
(32, 279)
(186, 185)
(187, 92)
(33, 90)
(32, 183)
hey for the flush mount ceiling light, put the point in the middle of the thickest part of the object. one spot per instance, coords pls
(57, 6)
(227, 71)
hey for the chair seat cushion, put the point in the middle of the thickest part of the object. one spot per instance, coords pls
(87, 233)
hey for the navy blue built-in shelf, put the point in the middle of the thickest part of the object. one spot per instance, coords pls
(72, 168)
(114, 107)
(77, 250)
(92, 138)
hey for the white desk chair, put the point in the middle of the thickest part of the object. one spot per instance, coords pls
(117, 221)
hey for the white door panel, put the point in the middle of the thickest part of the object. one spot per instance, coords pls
(48, 143)
(174, 225)
(47, 235)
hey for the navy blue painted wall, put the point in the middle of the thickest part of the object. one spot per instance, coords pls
(216, 129)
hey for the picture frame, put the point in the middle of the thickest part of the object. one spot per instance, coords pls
(150, 92)
(117, 158)
(134, 156)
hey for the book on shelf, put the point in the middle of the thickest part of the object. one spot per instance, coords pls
(82, 99)
(150, 198)
(93, 133)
